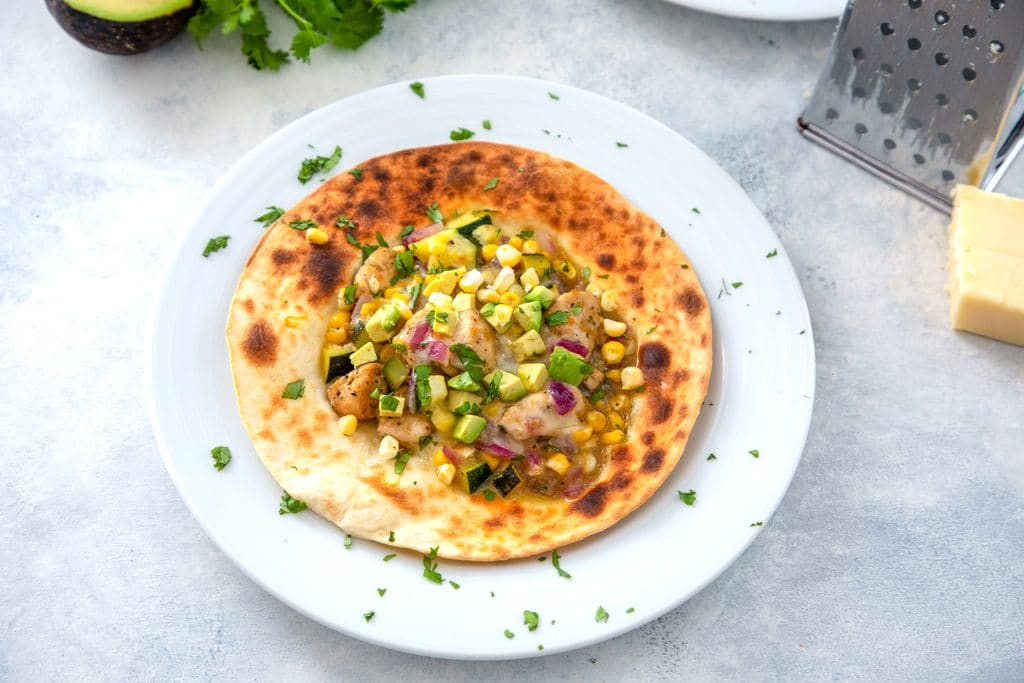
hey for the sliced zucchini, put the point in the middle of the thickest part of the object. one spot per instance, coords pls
(473, 475)
(396, 373)
(335, 361)
(507, 481)
(539, 262)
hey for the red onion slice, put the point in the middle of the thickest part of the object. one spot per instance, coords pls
(438, 351)
(452, 456)
(419, 332)
(497, 450)
(534, 465)
(423, 233)
(575, 347)
(562, 396)
(572, 482)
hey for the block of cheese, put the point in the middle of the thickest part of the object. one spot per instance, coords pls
(987, 264)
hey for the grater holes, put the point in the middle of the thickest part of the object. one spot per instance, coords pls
(886, 28)
(886, 107)
(941, 99)
(969, 31)
(941, 18)
(858, 53)
(889, 144)
(970, 115)
(919, 159)
(941, 58)
(885, 69)
(995, 50)
(997, 4)
(831, 114)
(914, 84)
(859, 92)
(913, 44)
(913, 123)
(947, 175)
(969, 73)
(914, 4)
(944, 138)
(860, 129)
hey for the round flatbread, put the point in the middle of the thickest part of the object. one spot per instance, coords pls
(289, 290)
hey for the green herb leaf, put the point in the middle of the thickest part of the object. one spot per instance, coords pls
(391, 537)
(737, 285)
(426, 441)
(711, 456)
(491, 184)
(349, 294)
(389, 557)
(318, 164)
(557, 318)
(382, 591)
(295, 389)
(302, 225)
(388, 402)
(772, 253)
(597, 395)
(630, 610)
(695, 210)
(417, 88)
(434, 214)
(555, 562)
(423, 385)
(602, 614)
(531, 620)
(467, 407)
(554, 96)
(492, 388)
(221, 457)
(414, 294)
(466, 355)
(381, 241)
(576, 309)
(604, 276)
(347, 223)
(430, 566)
(688, 497)
(586, 274)
(756, 453)
(489, 494)
(368, 616)
(620, 144)
(401, 460)
(406, 231)
(356, 173)
(509, 634)
(289, 505)
(348, 542)
(215, 244)
(270, 217)
(757, 524)
(461, 134)
(486, 124)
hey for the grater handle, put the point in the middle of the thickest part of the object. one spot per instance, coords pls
(1010, 147)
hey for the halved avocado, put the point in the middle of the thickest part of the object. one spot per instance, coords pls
(122, 27)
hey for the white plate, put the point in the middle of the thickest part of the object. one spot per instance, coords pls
(770, 10)
(760, 395)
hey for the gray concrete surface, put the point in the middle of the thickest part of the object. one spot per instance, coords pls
(898, 553)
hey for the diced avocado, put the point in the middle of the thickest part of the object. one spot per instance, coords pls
(390, 405)
(487, 234)
(442, 419)
(444, 318)
(334, 361)
(359, 335)
(568, 366)
(457, 398)
(498, 315)
(473, 475)
(438, 390)
(506, 481)
(510, 387)
(463, 382)
(363, 355)
(541, 294)
(468, 428)
(528, 346)
(443, 282)
(534, 375)
(395, 372)
(529, 315)
(383, 324)
(539, 262)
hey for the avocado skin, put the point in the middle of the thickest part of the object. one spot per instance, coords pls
(119, 37)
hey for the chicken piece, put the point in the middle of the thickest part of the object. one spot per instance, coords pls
(584, 321)
(408, 429)
(471, 330)
(536, 416)
(350, 394)
(376, 272)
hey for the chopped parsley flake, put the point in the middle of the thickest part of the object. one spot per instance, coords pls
(486, 124)
(391, 537)
(711, 456)
(757, 524)
(803, 331)
(454, 585)
(737, 285)
(389, 557)
(406, 231)
(531, 620)
(467, 407)
(586, 274)
(270, 217)
(602, 614)
(620, 144)
(417, 88)
(348, 542)
(430, 566)
(434, 214)
(345, 222)
(215, 244)
(773, 252)
(414, 294)
(540, 648)
(381, 241)
(221, 457)
(491, 184)
(289, 505)
(688, 497)
(400, 462)
(489, 495)
(557, 318)
(650, 329)
(630, 610)
(388, 402)
(509, 634)
(555, 559)
(382, 591)
(756, 453)
(368, 616)
(426, 441)
(318, 164)
(695, 210)
(357, 173)
(577, 309)
(597, 395)
(302, 225)
(604, 276)
(461, 134)
(554, 96)
(294, 390)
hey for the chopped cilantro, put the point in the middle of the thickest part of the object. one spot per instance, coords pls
(620, 144)
(348, 542)
(270, 217)
(650, 329)
(215, 244)
(381, 241)
(555, 561)
(388, 402)
(454, 585)
(525, 234)
(531, 620)
(318, 164)
(221, 457)
(486, 124)
(688, 497)
(398, 346)
(557, 318)
(423, 384)
(357, 173)
(554, 96)
(756, 453)
(434, 214)
(389, 557)
(602, 614)
(586, 274)
(414, 294)
(403, 266)
(630, 610)
(489, 494)
(382, 591)
(509, 634)
(430, 566)
(803, 331)
(491, 184)
(368, 616)
(406, 231)
(391, 537)
(711, 456)
(461, 134)
(467, 407)
(466, 355)
(294, 390)
(737, 285)
(695, 210)
(597, 395)
(375, 394)
(604, 276)
(401, 459)
(540, 648)
(289, 505)
(345, 222)
(426, 441)
(493, 387)
(773, 252)
(577, 309)
(302, 225)
(417, 88)
(757, 524)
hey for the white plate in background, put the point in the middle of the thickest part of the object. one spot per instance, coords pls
(769, 10)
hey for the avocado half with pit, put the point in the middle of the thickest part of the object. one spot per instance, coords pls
(122, 27)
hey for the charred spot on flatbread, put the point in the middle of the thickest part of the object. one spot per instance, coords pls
(260, 344)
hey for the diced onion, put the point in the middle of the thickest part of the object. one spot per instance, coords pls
(423, 233)
(419, 332)
(450, 454)
(562, 396)
(497, 450)
(438, 351)
(575, 347)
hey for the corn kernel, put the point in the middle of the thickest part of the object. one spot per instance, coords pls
(337, 335)
(340, 319)
(567, 270)
(589, 464)
(614, 375)
(614, 328)
(596, 420)
(529, 279)
(463, 302)
(488, 251)
(530, 247)
(516, 242)
(613, 437)
(390, 292)
(439, 300)
(471, 281)
(294, 321)
(558, 462)
(504, 280)
(348, 424)
(509, 256)
(502, 315)
(317, 236)
(609, 302)
(619, 401)
(595, 290)
(446, 473)
(370, 307)
(511, 299)
(493, 409)
(632, 378)
(581, 435)
(488, 296)
(439, 457)
(616, 420)
(388, 447)
(613, 351)
(399, 248)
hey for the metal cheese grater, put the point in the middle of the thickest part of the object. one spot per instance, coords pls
(924, 93)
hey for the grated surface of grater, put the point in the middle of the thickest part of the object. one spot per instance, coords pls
(924, 93)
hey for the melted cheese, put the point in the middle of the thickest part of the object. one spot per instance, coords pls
(987, 264)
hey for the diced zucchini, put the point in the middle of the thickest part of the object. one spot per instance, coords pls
(359, 335)
(468, 428)
(396, 373)
(541, 294)
(568, 366)
(364, 354)
(539, 262)
(529, 315)
(534, 375)
(506, 481)
(438, 390)
(442, 419)
(334, 361)
(473, 475)
(468, 222)
(528, 346)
